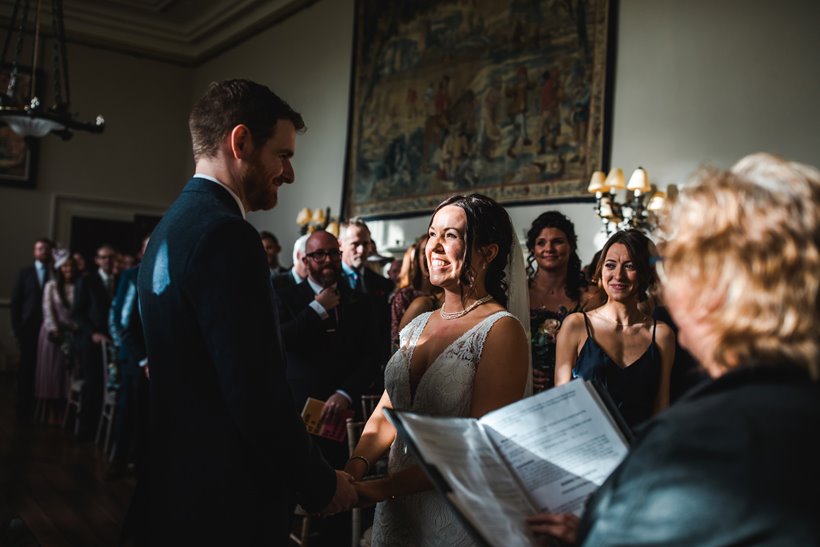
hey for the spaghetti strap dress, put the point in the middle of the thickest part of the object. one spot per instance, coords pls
(634, 387)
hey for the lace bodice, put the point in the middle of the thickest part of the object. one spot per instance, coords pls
(445, 389)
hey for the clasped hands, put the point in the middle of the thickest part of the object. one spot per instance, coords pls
(352, 493)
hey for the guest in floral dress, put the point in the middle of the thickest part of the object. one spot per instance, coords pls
(54, 347)
(556, 288)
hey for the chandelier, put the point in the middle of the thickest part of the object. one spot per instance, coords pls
(641, 202)
(20, 107)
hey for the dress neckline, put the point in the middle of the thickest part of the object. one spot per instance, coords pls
(609, 357)
(424, 318)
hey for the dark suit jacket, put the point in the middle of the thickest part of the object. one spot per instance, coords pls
(320, 362)
(380, 288)
(27, 304)
(229, 455)
(91, 307)
(734, 462)
(282, 280)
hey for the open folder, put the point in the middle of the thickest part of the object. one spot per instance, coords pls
(548, 452)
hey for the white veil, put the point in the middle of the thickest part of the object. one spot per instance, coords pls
(518, 300)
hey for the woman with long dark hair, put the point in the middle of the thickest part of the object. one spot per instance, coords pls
(466, 359)
(617, 344)
(556, 287)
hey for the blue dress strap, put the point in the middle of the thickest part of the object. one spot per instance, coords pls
(586, 322)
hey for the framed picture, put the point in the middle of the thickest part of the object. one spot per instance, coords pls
(509, 98)
(17, 154)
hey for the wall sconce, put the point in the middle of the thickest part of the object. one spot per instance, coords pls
(640, 205)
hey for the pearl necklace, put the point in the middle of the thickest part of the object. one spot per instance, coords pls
(456, 314)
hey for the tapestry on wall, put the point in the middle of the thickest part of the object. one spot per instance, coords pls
(502, 97)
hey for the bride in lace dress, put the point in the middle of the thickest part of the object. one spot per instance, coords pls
(466, 359)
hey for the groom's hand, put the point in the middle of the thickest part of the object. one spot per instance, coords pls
(345, 496)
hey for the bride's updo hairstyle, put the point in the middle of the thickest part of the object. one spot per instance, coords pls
(487, 223)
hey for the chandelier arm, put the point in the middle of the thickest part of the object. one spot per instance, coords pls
(61, 56)
(12, 23)
(18, 52)
(36, 55)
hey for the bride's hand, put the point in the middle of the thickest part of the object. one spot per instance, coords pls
(370, 492)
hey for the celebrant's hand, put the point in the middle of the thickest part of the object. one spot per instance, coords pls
(560, 526)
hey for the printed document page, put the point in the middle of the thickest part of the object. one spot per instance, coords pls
(562, 444)
(482, 485)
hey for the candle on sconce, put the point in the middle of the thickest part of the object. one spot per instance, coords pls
(605, 210)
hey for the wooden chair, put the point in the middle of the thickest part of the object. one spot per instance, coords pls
(74, 399)
(300, 534)
(369, 404)
(109, 404)
(354, 432)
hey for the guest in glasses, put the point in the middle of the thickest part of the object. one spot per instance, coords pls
(327, 329)
(734, 462)
(93, 294)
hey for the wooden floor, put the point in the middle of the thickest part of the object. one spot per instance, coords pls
(54, 483)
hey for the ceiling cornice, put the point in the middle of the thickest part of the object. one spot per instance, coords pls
(146, 27)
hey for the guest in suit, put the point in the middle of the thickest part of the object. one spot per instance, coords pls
(326, 327)
(26, 320)
(298, 272)
(229, 455)
(354, 235)
(92, 302)
(272, 250)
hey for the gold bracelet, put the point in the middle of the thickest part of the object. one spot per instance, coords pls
(367, 463)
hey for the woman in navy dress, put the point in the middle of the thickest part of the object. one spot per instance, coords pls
(617, 344)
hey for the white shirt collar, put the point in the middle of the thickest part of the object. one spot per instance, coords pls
(316, 287)
(296, 277)
(104, 275)
(222, 184)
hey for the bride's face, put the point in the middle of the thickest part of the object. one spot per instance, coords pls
(446, 246)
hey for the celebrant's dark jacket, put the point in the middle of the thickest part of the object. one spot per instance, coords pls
(735, 462)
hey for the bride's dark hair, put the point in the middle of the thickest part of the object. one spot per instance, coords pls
(487, 223)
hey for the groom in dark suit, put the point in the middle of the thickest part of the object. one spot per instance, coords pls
(229, 456)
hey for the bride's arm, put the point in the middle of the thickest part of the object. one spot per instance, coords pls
(377, 436)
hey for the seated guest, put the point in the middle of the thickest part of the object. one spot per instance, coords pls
(630, 353)
(298, 272)
(272, 250)
(735, 461)
(54, 348)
